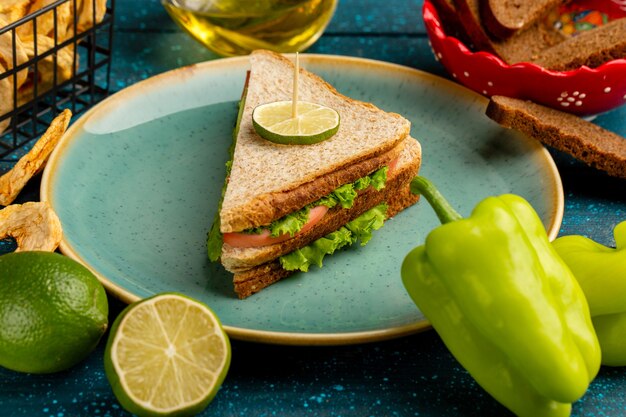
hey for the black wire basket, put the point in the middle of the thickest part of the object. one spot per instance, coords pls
(56, 57)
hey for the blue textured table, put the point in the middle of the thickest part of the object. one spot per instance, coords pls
(411, 376)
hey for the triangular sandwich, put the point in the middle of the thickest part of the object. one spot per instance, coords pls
(286, 206)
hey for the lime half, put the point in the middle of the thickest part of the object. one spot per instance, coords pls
(166, 355)
(313, 123)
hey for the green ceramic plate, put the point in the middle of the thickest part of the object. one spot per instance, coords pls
(136, 182)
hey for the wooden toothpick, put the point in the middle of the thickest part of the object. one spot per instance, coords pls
(294, 99)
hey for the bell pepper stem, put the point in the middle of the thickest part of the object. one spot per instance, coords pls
(443, 209)
(620, 235)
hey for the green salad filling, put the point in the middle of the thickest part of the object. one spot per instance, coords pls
(359, 229)
(215, 240)
(344, 196)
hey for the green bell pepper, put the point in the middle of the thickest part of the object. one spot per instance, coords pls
(601, 273)
(504, 303)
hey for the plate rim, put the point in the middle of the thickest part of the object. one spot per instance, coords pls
(274, 337)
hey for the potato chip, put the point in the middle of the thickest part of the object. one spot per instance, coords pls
(34, 161)
(54, 68)
(45, 22)
(14, 10)
(86, 10)
(6, 98)
(6, 63)
(33, 225)
(90, 9)
(65, 21)
(46, 69)
(6, 52)
(8, 5)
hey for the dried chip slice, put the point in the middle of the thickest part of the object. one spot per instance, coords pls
(45, 21)
(57, 23)
(88, 16)
(30, 164)
(8, 5)
(33, 225)
(7, 59)
(13, 10)
(65, 22)
(6, 52)
(6, 98)
(46, 68)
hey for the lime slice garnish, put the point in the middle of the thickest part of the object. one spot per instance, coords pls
(313, 123)
(166, 355)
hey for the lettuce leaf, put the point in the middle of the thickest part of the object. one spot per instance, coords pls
(329, 201)
(302, 258)
(358, 229)
(344, 195)
(363, 226)
(291, 223)
(215, 240)
(363, 183)
(379, 178)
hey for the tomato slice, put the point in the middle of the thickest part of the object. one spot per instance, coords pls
(247, 240)
(392, 167)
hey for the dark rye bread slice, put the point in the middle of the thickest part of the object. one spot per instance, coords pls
(524, 46)
(265, 177)
(447, 12)
(241, 259)
(503, 18)
(592, 48)
(398, 197)
(451, 21)
(583, 140)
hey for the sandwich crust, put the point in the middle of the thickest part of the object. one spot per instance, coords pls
(267, 179)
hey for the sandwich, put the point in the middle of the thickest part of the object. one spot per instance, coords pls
(285, 207)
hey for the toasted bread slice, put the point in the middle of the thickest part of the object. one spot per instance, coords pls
(583, 140)
(396, 194)
(592, 48)
(241, 259)
(266, 179)
(524, 46)
(504, 18)
(451, 20)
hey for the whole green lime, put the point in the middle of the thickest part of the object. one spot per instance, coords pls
(53, 312)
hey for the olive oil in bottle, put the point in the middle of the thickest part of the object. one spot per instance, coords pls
(236, 27)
